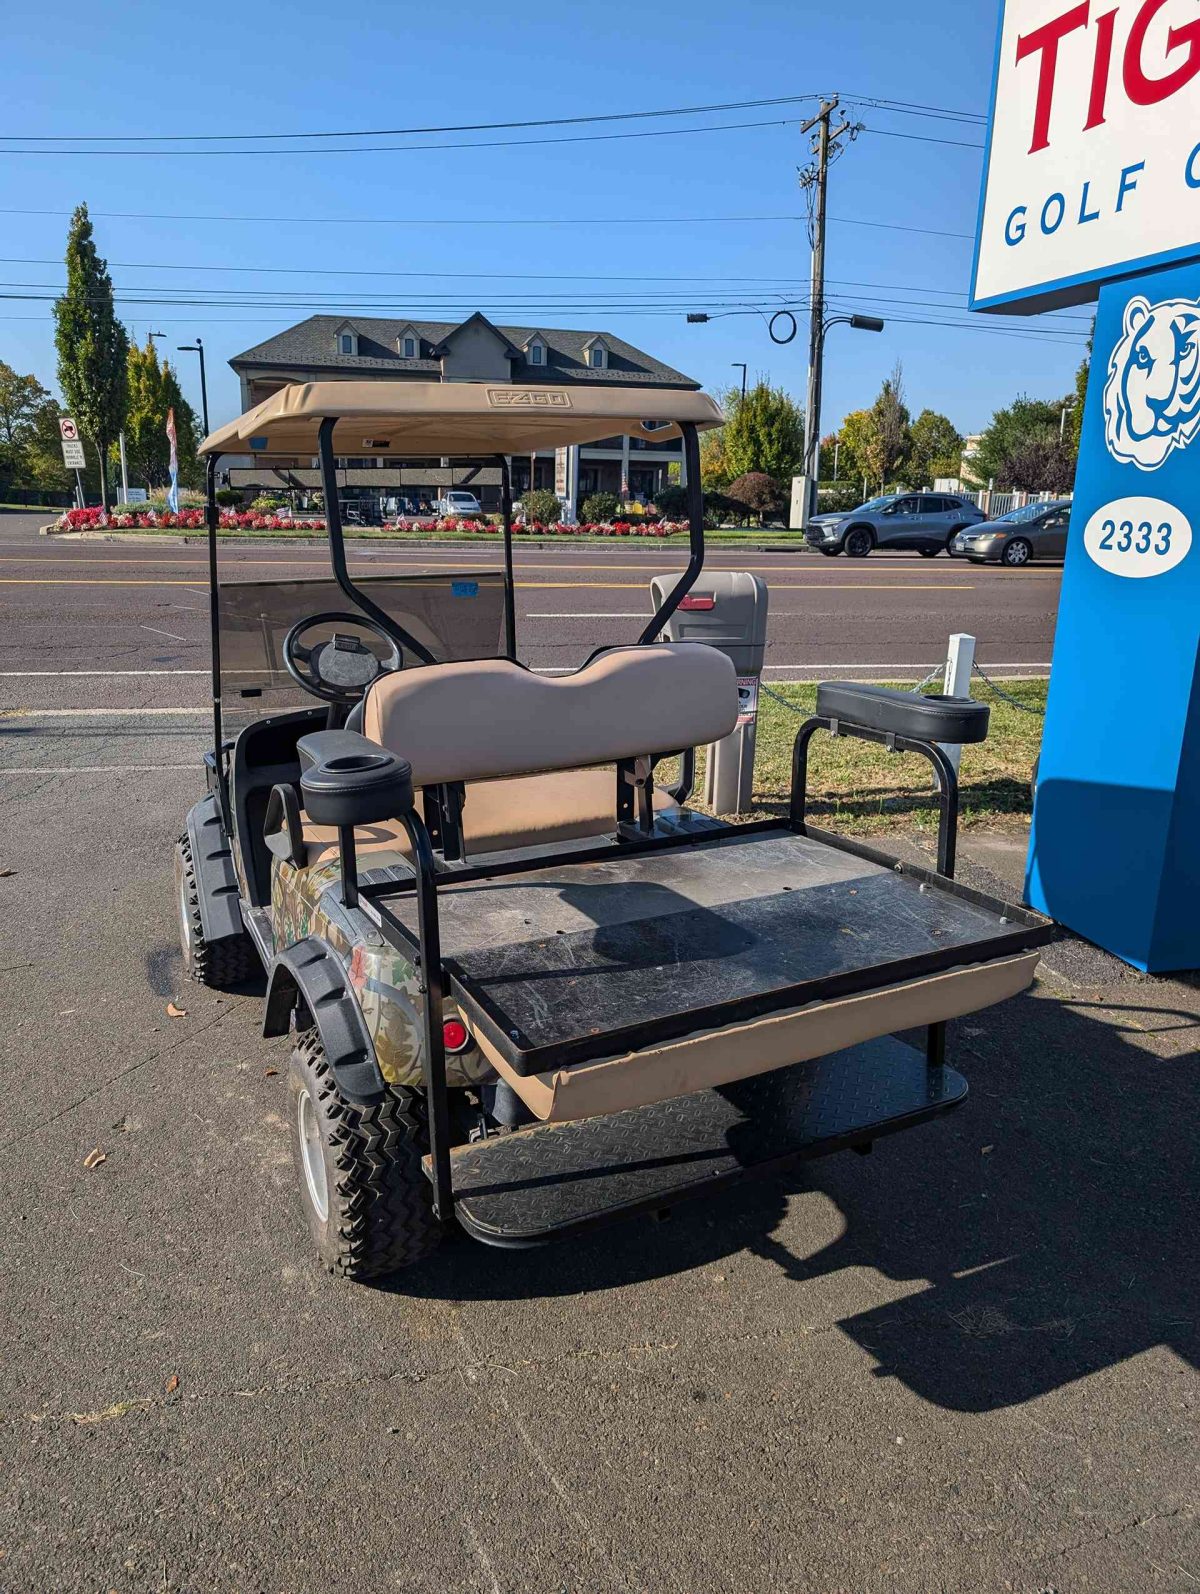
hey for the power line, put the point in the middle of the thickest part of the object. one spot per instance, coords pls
(921, 138)
(894, 226)
(412, 149)
(900, 107)
(317, 271)
(401, 221)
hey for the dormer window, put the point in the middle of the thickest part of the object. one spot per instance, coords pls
(347, 342)
(535, 351)
(597, 354)
(408, 347)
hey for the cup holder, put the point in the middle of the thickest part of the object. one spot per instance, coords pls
(357, 763)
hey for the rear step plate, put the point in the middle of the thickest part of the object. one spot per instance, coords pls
(544, 1183)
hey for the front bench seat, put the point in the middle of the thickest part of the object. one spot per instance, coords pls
(537, 754)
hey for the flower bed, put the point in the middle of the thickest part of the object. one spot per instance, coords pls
(193, 520)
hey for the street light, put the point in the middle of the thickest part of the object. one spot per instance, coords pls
(198, 348)
(740, 365)
(812, 410)
(1062, 422)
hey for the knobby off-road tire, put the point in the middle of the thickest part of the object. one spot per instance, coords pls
(368, 1204)
(218, 964)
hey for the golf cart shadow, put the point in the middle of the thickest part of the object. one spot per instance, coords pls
(1041, 1243)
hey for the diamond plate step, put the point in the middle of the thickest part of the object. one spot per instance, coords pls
(553, 1180)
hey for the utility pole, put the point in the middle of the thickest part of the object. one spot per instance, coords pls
(816, 177)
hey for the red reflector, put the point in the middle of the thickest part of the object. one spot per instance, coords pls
(698, 603)
(456, 1037)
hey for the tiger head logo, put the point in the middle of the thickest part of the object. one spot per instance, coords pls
(1152, 395)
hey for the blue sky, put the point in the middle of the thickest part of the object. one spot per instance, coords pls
(170, 69)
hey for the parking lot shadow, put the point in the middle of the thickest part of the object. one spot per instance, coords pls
(1045, 1231)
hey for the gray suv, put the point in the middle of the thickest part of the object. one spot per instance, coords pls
(924, 523)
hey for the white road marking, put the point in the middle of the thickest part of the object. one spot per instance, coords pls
(95, 713)
(101, 769)
(32, 675)
(599, 614)
(172, 635)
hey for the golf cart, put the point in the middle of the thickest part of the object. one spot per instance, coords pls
(531, 989)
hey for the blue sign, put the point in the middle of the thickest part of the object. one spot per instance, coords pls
(1115, 848)
(464, 589)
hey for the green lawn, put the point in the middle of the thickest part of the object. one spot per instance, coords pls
(860, 788)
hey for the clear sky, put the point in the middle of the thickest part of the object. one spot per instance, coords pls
(154, 69)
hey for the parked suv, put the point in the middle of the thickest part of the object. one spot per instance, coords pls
(924, 523)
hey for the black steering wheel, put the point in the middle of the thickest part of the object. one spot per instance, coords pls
(340, 668)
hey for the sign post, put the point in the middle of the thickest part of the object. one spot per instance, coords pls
(1092, 189)
(72, 448)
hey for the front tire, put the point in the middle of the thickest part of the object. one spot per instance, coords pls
(859, 543)
(366, 1199)
(930, 553)
(1017, 553)
(831, 553)
(221, 964)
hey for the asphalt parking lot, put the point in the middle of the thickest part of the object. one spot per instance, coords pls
(965, 1363)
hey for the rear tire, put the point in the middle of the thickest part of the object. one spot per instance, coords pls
(366, 1199)
(859, 542)
(219, 964)
(1017, 553)
(831, 553)
(930, 553)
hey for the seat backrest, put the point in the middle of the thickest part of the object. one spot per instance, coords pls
(489, 718)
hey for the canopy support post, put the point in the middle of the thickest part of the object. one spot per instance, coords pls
(212, 519)
(337, 548)
(691, 456)
(510, 601)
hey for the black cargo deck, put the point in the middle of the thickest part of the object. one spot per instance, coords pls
(578, 959)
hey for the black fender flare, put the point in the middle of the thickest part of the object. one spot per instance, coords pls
(217, 886)
(309, 977)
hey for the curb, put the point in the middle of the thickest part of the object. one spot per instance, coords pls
(166, 539)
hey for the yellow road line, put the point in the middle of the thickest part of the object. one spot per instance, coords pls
(588, 586)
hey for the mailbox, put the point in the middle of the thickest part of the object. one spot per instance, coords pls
(728, 610)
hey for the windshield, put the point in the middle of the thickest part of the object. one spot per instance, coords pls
(457, 615)
(874, 504)
(1018, 517)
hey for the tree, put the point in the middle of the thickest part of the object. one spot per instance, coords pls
(852, 439)
(714, 468)
(153, 390)
(888, 435)
(92, 346)
(20, 399)
(936, 449)
(1024, 447)
(765, 434)
(758, 492)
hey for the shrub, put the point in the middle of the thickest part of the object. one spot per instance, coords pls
(542, 505)
(599, 506)
(264, 504)
(758, 492)
(228, 497)
(672, 502)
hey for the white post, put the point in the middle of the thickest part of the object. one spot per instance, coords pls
(960, 661)
(124, 472)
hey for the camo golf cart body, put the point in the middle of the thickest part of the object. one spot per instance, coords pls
(531, 989)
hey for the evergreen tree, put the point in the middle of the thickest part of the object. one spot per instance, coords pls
(889, 435)
(765, 434)
(92, 346)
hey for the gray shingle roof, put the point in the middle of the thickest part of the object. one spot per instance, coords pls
(312, 344)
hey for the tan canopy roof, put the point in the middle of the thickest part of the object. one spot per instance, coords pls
(471, 418)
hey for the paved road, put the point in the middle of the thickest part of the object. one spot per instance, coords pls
(71, 609)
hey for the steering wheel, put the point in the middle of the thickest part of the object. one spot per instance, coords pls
(340, 668)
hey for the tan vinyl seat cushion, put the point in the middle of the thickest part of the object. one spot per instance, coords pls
(485, 719)
(525, 811)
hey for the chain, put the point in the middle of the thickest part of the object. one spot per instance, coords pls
(933, 675)
(937, 673)
(1026, 708)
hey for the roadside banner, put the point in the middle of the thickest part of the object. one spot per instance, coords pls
(173, 494)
